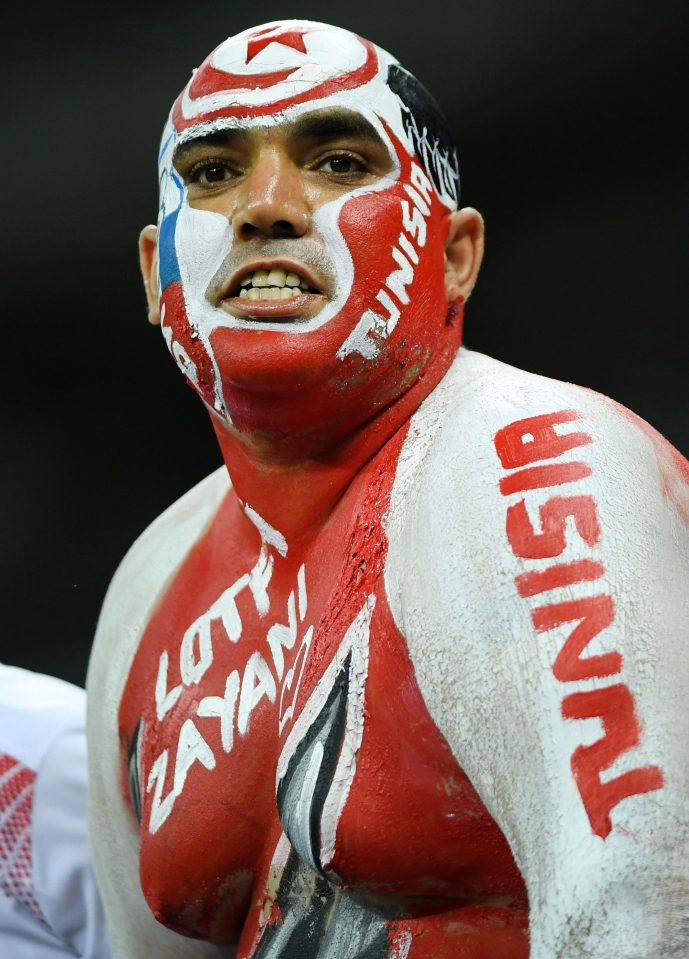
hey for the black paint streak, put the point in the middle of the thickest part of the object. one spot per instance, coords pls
(429, 131)
(133, 772)
(332, 715)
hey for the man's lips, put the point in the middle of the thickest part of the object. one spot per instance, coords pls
(301, 306)
(232, 286)
(302, 303)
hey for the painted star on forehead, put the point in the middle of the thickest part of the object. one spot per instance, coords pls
(285, 36)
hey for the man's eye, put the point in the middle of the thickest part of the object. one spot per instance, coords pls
(209, 172)
(341, 164)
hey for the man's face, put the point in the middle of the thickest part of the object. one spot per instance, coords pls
(269, 184)
(301, 239)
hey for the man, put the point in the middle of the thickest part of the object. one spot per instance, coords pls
(406, 677)
(49, 904)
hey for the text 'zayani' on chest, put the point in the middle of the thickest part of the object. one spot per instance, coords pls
(263, 677)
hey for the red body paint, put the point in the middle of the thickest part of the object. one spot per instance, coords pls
(518, 444)
(245, 714)
(209, 81)
(525, 542)
(564, 574)
(614, 706)
(542, 477)
(413, 839)
(594, 614)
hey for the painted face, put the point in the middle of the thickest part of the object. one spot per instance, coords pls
(366, 255)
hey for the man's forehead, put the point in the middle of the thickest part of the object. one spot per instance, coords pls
(288, 44)
(279, 72)
(319, 125)
(272, 68)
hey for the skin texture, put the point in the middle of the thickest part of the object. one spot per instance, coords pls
(404, 668)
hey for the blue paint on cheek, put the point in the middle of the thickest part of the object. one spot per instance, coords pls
(168, 268)
(168, 263)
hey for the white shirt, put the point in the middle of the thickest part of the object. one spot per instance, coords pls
(49, 902)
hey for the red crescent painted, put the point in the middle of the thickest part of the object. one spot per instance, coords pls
(210, 80)
(349, 81)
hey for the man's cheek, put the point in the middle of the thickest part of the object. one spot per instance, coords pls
(203, 240)
(369, 224)
(396, 241)
(182, 333)
(186, 347)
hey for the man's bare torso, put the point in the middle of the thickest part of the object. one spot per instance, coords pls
(297, 660)
(279, 713)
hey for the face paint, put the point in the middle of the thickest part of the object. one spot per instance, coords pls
(378, 247)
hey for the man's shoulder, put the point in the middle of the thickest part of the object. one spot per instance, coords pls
(148, 566)
(490, 433)
(481, 397)
(486, 392)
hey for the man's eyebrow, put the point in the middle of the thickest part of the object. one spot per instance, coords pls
(330, 124)
(215, 140)
(319, 125)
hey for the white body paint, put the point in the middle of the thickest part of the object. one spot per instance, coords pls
(486, 674)
(484, 671)
(132, 597)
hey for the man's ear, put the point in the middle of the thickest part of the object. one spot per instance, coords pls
(148, 259)
(463, 252)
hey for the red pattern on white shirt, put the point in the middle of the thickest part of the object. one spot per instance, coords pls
(17, 787)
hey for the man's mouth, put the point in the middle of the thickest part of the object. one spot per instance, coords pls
(272, 292)
(272, 285)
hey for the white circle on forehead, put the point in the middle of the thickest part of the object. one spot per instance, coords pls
(330, 53)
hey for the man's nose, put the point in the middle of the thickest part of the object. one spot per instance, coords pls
(272, 200)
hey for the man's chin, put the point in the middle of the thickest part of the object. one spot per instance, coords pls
(273, 360)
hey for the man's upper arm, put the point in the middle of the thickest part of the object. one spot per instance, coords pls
(547, 617)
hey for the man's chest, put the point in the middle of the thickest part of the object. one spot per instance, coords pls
(273, 692)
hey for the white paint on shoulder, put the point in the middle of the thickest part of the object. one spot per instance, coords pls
(133, 595)
(487, 676)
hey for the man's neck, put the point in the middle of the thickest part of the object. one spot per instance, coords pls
(295, 490)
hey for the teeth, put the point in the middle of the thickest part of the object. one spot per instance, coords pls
(269, 293)
(278, 278)
(260, 278)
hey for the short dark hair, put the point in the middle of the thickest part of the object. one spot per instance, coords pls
(428, 129)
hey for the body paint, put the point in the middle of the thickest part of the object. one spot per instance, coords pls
(518, 445)
(338, 753)
(386, 292)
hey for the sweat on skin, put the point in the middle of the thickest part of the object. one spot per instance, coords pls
(401, 679)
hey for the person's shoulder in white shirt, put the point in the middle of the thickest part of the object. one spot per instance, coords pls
(49, 903)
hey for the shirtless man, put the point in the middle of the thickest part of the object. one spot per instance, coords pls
(407, 677)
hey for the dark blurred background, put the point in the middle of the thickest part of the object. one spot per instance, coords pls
(571, 124)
